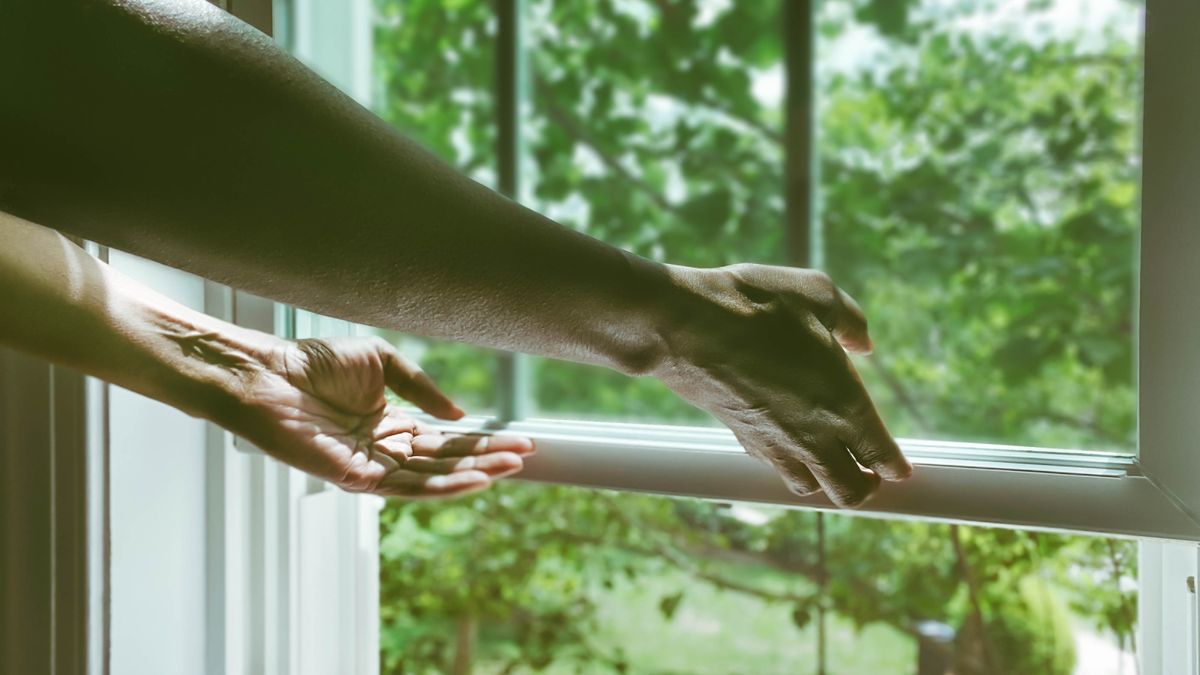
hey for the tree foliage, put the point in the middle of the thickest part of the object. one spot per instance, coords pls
(978, 189)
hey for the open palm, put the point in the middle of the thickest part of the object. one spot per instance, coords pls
(320, 406)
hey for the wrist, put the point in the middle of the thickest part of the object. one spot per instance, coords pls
(675, 305)
(705, 303)
(637, 336)
(202, 365)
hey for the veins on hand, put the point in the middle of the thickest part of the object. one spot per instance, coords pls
(209, 348)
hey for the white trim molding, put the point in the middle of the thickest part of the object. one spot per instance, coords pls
(1169, 333)
(1168, 626)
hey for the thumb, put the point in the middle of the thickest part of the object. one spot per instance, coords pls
(412, 384)
(850, 324)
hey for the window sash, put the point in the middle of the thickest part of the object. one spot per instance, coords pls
(1149, 495)
(1136, 500)
(957, 481)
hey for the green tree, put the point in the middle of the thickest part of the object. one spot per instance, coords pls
(978, 189)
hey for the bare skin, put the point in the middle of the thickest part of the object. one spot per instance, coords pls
(173, 131)
(317, 405)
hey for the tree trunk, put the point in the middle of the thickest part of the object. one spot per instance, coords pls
(465, 633)
(823, 586)
(975, 642)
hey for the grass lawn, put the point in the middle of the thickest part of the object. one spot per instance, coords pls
(715, 631)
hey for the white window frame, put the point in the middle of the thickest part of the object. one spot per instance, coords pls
(1154, 493)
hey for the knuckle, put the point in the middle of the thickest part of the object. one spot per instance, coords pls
(742, 268)
(869, 455)
(821, 280)
(801, 486)
(316, 350)
(849, 496)
(381, 344)
(820, 460)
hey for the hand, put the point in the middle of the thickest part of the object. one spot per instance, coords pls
(766, 354)
(319, 406)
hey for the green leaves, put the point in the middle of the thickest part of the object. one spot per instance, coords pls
(669, 603)
(978, 194)
(802, 614)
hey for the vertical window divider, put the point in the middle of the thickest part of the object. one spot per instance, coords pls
(802, 235)
(514, 383)
(800, 174)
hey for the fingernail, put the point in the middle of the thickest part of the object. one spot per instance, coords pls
(895, 474)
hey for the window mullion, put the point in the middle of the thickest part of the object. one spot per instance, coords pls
(802, 234)
(513, 381)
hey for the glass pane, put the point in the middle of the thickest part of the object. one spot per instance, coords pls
(979, 181)
(656, 127)
(528, 578)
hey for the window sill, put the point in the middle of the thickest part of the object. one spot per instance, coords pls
(1062, 490)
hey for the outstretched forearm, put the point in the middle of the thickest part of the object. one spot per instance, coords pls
(175, 132)
(318, 405)
(61, 304)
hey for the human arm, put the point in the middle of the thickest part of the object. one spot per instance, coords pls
(318, 405)
(173, 131)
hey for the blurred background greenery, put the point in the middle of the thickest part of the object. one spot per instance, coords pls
(978, 181)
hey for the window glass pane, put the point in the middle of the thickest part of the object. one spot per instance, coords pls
(433, 75)
(656, 127)
(527, 578)
(979, 185)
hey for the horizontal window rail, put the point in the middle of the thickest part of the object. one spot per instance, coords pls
(1011, 486)
(717, 439)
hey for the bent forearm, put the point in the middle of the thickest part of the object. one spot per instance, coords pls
(179, 134)
(63, 305)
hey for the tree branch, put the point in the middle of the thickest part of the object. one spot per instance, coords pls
(1090, 426)
(575, 130)
(679, 558)
(773, 135)
(1128, 613)
(903, 396)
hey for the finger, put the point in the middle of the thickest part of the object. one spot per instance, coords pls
(398, 446)
(396, 421)
(494, 464)
(842, 479)
(410, 382)
(850, 325)
(414, 485)
(873, 446)
(797, 476)
(450, 445)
